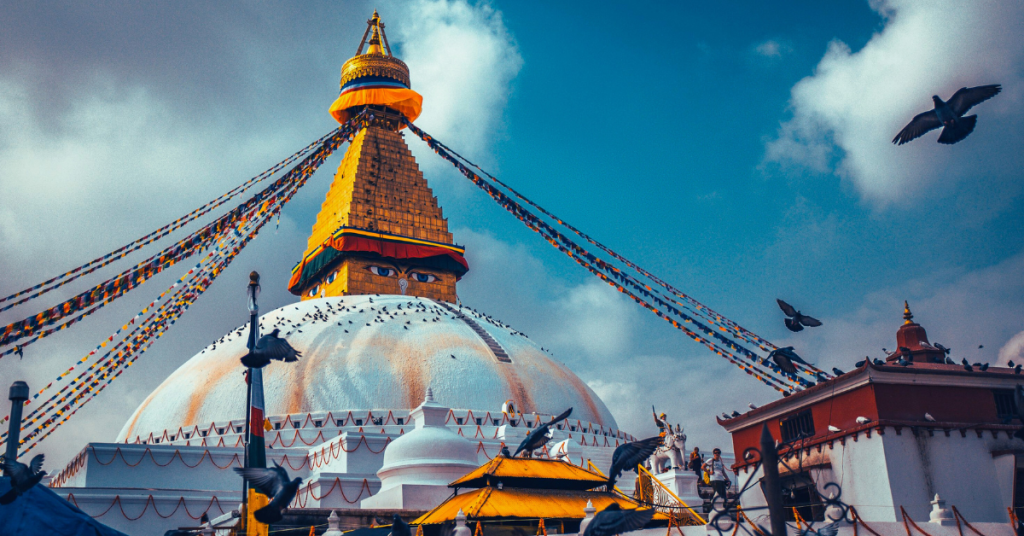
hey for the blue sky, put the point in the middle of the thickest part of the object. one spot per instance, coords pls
(739, 151)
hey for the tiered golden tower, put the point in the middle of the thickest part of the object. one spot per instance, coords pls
(380, 229)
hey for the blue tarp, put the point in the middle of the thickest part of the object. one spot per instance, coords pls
(42, 512)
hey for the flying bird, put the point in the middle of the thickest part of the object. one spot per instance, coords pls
(796, 321)
(269, 347)
(614, 520)
(949, 115)
(399, 527)
(928, 417)
(863, 420)
(274, 483)
(628, 455)
(23, 477)
(540, 435)
(785, 357)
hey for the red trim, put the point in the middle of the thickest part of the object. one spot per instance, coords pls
(394, 250)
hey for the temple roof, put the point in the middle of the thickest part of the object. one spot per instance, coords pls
(531, 473)
(524, 503)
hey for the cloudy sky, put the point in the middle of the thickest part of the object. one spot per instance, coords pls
(740, 151)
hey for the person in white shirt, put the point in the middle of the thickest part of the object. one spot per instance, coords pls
(715, 468)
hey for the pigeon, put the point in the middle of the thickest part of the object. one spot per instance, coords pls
(860, 363)
(628, 455)
(785, 357)
(736, 413)
(833, 429)
(204, 519)
(1016, 370)
(903, 362)
(269, 347)
(614, 520)
(968, 367)
(949, 115)
(1018, 400)
(540, 435)
(725, 416)
(274, 483)
(505, 452)
(1009, 364)
(983, 367)
(878, 362)
(837, 371)
(832, 529)
(399, 527)
(796, 321)
(23, 477)
(751, 406)
(943, 348)
(980, 346)
(928, 417)
(863, 420)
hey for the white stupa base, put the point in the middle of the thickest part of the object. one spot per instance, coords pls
(684, 484)
(407, 497)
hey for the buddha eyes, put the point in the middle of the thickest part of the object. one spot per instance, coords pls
(391, 272)
(313, 291)
(382, 271)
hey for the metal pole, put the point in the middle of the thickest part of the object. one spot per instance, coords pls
(770, 482)
(253, 291)
(18, 396)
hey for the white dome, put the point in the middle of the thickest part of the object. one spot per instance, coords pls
(371, 353)
(429, 454)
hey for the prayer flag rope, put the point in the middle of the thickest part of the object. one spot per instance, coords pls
(231, 240)
(125, 250)
(758, 367)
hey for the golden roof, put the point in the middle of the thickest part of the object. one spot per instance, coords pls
(491, 502)
(530, 473)
(377, 61)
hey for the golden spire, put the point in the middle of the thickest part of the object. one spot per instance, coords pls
(908, 317)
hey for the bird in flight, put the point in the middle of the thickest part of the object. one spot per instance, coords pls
(614, 520)
(628, 455)
(785, 357)
(275, 483)
(270, 346)
(540, 435)
(949, 115)
(23, 477)
(797, 321)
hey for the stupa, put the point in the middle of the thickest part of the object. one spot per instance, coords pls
(378, 322)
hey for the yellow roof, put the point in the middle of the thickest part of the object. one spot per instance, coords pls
(530, 473)
(492, 502)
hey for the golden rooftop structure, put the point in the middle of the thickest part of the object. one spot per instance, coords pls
(380, 229)
(520, 492)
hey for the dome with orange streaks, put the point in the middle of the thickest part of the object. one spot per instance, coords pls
(371, 353)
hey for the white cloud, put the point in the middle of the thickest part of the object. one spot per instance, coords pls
(462, 59)
(845, 115)
(1013, 350)
(772, 49)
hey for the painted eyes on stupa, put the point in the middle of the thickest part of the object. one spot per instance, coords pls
(423, 278)
(382, 271)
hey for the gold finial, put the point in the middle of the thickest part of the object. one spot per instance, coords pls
(907, 315)
(378, 37)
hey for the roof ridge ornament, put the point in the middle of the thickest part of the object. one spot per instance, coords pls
(908, 317)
